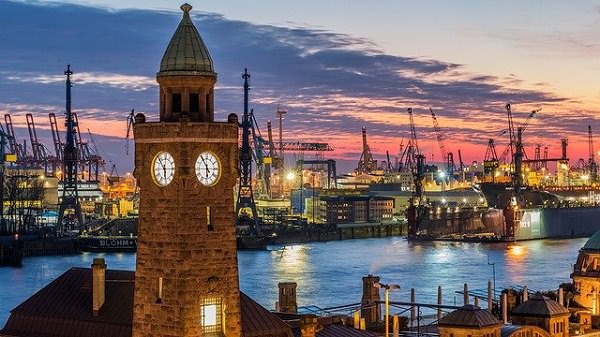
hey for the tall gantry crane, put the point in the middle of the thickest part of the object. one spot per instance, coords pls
(516, 147)
(40, 154)
(263, 169)
(408, 159)
(58, 145)
(245, 210)
(15, 147)
(130, 122)
(447, 156)
(70, 196)
(366, 164)
(491, 163)
(593, 166)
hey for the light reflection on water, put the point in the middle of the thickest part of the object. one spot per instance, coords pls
(329, 273)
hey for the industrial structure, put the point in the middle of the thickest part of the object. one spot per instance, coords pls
(61, 187)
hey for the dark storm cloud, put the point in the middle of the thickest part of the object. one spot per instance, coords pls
(320, 75)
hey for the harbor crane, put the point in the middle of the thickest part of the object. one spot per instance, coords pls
(408, 159)
(70, 196)
(516, 148)
(58, 145)
(245, 211)
(15, 147)
(447, 156)
(130, 122)
(366, 164)
(592, 165)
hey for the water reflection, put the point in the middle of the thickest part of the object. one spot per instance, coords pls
(330, 273)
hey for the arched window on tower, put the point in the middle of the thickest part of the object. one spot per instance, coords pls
(194, 102)
(176, 103)
(208, 105)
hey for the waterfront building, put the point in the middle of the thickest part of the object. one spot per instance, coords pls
(356, 209)
(543, 312)
(469, 321)
(586, 276)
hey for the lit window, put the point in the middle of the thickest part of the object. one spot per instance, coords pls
(210, 315)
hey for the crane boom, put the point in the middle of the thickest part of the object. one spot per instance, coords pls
(130, 122)
(439, 137)
(35, 145)
(58, 145)
(413, 132)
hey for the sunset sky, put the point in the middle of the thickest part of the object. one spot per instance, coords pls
(335, 65)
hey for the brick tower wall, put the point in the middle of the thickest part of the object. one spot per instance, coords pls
(174, 241)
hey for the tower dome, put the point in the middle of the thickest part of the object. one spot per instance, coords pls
(593, 243)
(186, 54)
(186, 77)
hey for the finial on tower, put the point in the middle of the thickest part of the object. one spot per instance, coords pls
(186, 8)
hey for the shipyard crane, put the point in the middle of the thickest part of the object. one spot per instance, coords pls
(413, 133)
(245, 209)
(512, 132)
(408, 159)
(491, 163)
(70, 196)
(15, 147)
(447, 156)
(592, 165)
(39, 151)
(130, 122)
(58, 145)
(276, 161)
(263, 172)
(280, 112)
(366, 164)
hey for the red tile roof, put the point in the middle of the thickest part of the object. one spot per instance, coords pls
(258, 321)
(63, 308)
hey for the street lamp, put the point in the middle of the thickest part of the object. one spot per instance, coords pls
(313, 198)
(387, 288)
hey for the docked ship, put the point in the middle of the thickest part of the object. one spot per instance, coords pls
(116, 235)
(542, 215)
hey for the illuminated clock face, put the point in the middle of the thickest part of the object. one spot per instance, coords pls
(208, 169)
(163, 168)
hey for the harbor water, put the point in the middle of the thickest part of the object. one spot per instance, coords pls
(330, 274)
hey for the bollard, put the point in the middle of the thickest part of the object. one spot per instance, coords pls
(490, 297)
(439, 310)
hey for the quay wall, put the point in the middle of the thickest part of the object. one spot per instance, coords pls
(316, 233)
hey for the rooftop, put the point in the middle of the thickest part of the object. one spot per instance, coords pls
(469, 316)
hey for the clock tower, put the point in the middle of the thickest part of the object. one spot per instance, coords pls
(186, 278)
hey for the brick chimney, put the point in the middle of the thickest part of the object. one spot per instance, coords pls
(287, 297)
(98, 284)
(370, 309)
(309, 325)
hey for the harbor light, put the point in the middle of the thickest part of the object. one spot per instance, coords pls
(290, 176)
